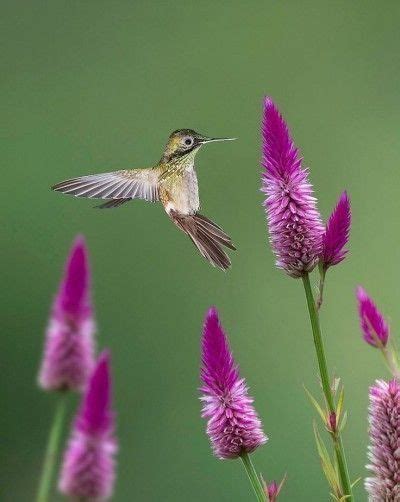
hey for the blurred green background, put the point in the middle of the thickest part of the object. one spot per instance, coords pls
(96, 85)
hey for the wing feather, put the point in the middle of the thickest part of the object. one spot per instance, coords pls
(126, 184)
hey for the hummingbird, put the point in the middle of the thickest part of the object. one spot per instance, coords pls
(173, 182)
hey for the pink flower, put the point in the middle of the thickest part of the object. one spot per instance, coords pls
(295, 226)
(233, 424)
(272, 489)
(384, 449)
(372, 322)
(88, 469)
(69, 349)
(337, 233)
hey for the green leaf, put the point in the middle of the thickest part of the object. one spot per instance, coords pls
(343, 422)
(316, 405)
(329, 469)
(339, 407)
(356, 481)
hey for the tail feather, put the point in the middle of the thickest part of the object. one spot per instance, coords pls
(210, 227)
(206, 236)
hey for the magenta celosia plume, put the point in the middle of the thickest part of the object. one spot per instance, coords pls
(233, 424)
(337, 233)
(373, 325)
(384, 449)
(88, 469)
(295, 226)
(69, 348)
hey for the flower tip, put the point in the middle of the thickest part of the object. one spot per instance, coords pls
(79, 248)
(268, 102)
(74, 293)
(78, 256)
(79, 241)
(360, 293)
(271, 110)
(212, 312)
(344, 201)
(104, 359)
(95, 415)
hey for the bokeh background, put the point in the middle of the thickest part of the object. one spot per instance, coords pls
(97, 85)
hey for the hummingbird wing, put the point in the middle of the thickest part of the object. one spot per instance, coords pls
(127, 184)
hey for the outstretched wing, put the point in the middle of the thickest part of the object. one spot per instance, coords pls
(126, 184)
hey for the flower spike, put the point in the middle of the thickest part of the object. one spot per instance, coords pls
(233, 424)
(373, 325)
(69, 349)
(337, 233)
(88, 469)
(384, 449)
(295, 226)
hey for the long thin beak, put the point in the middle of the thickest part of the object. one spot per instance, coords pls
(211, 140)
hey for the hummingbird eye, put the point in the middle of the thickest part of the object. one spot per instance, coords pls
(188, 141)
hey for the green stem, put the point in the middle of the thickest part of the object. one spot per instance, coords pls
(391, 361)
(53, 442)
(254, 479)
(323, 369)
(322, 274)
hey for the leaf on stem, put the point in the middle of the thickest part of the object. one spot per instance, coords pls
(316, 405)
(329, 467)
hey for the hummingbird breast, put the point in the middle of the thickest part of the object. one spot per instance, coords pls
(180, 192)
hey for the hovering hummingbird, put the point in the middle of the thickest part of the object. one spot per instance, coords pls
(173, 182)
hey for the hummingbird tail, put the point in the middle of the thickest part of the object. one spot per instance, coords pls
(208, 237)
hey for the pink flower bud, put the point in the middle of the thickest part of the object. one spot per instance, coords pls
(372, 323)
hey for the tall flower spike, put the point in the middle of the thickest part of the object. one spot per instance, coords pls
(373, 325)
(295, 226)
(233, 424)
(88, 469)
(384, 449)
(69, 348)
(337, 233)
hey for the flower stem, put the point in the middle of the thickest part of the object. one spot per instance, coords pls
(323, 369)
(254, 479)
(391, 361)
(53, 442)
(322, 274)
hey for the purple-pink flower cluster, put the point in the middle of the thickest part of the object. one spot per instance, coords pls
(69, 348)
(384, 449)
(337, 233)
(233, 424)
(373, 325)
(297, 235)
(88, 469)
(295, 225)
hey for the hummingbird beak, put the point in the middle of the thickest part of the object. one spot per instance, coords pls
(211, 140)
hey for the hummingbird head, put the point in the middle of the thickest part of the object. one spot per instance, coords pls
(185, 143)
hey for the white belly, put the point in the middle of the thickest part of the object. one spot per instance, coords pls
(185, 197)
